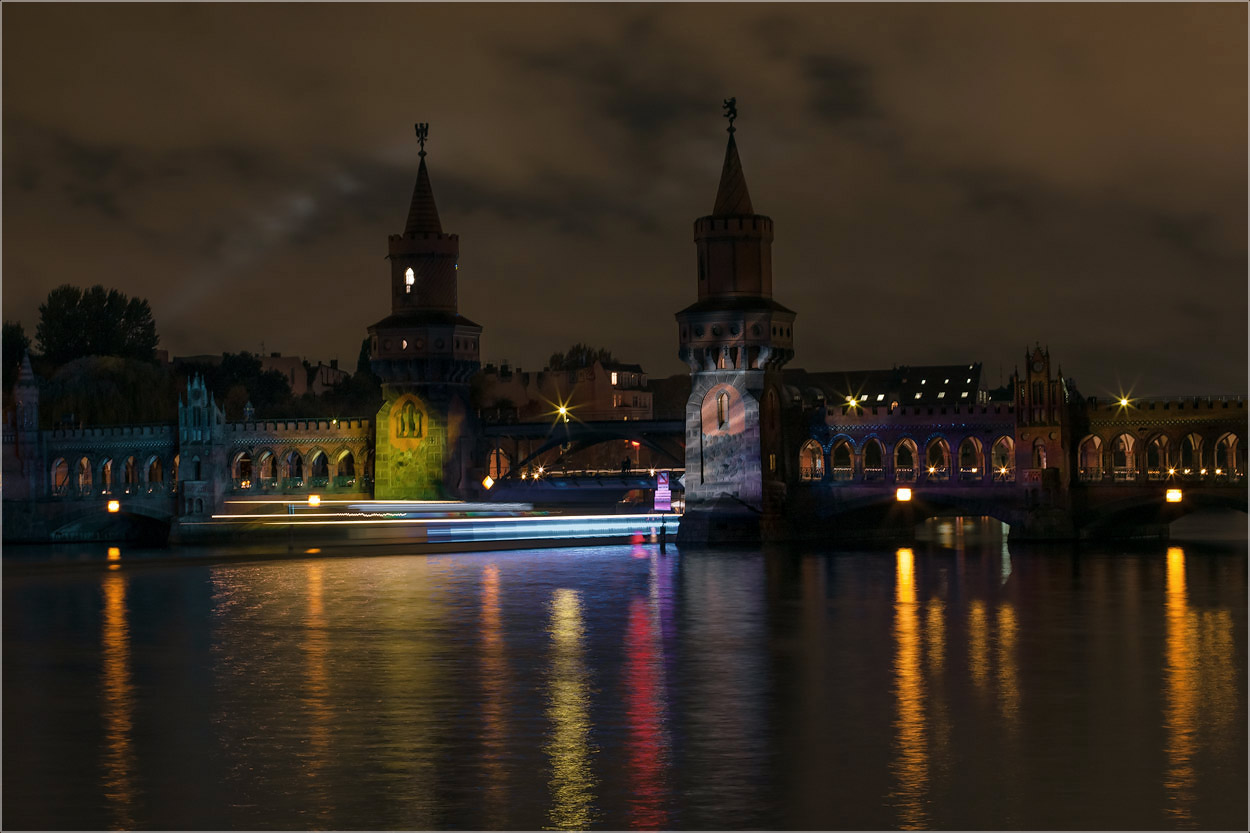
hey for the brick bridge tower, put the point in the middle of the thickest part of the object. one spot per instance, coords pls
(425, 353)
(735, 339)
(1043, 448)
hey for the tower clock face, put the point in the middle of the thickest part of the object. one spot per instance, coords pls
(1037, 367)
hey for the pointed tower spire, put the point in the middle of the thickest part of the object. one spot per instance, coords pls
(732, 197)
(26, 374)
(422, 213)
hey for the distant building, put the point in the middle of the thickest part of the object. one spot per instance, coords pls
(599, 392)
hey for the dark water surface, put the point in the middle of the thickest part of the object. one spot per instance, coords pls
(954, 684)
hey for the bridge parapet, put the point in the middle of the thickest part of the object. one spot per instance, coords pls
(163, 431)
(303, 427)
(1175, 406)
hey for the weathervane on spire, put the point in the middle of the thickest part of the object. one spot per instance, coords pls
(731, 111)
(423, 133)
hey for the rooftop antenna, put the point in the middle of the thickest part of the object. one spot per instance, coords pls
(731, 112)
(423, 133)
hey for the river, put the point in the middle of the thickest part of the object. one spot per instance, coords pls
(956, 683)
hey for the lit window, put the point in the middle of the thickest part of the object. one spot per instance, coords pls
(942, 395)
(968, 381)
(409, 280)
(922, 381)
(880, 396)
(963, 395)
(614, 377)
(917, 395)
(862, 398)
(946, 381)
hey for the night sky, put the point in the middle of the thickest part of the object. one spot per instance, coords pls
(949, 183)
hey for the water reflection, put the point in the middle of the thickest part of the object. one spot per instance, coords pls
(317, 690)
(118, 707)
(572, 781)
(644, 704)
(1008, 684)
(978, 643)
(494, 668)
(911, 765)
(1199, 688)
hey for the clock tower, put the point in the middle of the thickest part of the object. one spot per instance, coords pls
(425, 352)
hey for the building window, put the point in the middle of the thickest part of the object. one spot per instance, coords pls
(941, 394)
(613, 377)
(409, 280)
(917, 396)
(880, 397)
(722, 410)
(963, 395)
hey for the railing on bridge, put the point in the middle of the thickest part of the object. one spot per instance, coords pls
(1095, 474)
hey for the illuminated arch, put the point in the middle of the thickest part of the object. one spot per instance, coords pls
(971, 459)
(1003, 459)
(241, 470)
(1227, 462)
(906, 460)
(1123, 458)
(842, 460)
(82, 476)
(874, 459)
(60, 477)
(811, 461)
(500, 463)
(937, 459)
(1089, 459)
(1158, 466)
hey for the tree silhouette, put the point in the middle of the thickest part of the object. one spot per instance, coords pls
(96, 322)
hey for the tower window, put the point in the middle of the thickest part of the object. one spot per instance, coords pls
(722, 410)
(409, 280)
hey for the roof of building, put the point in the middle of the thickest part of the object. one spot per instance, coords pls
(906, 385)
(422, 213)
(732, 197)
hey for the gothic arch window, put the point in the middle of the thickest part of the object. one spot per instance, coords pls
(196, 470)
(409, 280)
(1191, 454)
(722, 410)
(106, 476)
(1123, 464)
(971, 466)
(937, 460)
(1157, 458)
(500, 464)
(155, 472)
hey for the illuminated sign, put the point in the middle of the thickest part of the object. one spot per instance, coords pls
(663, 495)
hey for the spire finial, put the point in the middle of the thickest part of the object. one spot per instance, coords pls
(731, 112)
(423, 133)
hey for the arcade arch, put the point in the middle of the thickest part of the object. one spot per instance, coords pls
(811, 461)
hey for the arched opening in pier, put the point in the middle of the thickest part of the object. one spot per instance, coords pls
(60, 476)
(971, 461)
(905, 455)
(1003, 459)
(155, 473)
(1123, 458)
(874, 457)
(130, 474)
(345, 468)
(106, 476)
(82, 477)
(318, 469)
(1157, 458)
(937, 460)
(842, 461)
(1229, 458)
(1191, 454)
(267, 468)
(293, 468)
(241, 470)
(1089, 459)
(811, 461)
(173, 470)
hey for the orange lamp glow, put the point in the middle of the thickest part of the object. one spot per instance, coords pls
(903, 494)
(115, 506)
(314, 500)
(488, 481)
(1174, 495)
